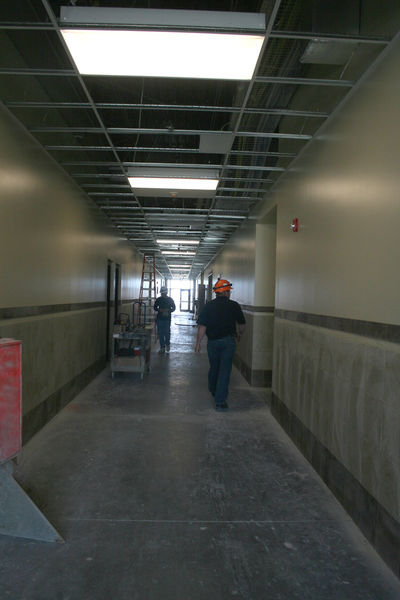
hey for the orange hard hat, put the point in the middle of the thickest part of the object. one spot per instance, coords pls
(222, 285)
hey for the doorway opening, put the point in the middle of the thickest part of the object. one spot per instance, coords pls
(184, 301)
(210, 288)
(180, 291)
(117, 287)
(108, 310)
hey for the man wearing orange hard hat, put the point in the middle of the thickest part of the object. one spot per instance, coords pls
(223, 322)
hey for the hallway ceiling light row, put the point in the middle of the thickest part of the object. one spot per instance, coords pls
(236, 136)
(149, 53)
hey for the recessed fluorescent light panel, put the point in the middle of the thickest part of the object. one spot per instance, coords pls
(180, 231)
(148, 53)
(177, 242)
(172, 183)
(170, 180)
(178, 253)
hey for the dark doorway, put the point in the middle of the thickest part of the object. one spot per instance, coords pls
(209, 287)
(108, 309)
(117, 287)
(201, 300)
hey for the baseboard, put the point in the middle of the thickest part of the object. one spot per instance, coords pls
(255, 377)
(378, 526)
(37, 418)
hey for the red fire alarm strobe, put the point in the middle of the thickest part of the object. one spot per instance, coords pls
(295, 225)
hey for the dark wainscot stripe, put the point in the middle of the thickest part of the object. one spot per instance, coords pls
(37, 418)
(255, 377)
(257, 309)
(378, 526)
(19, 312)
(382, 331)
(34, 311)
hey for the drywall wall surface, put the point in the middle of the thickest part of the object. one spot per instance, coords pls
(344, 191)
(337, 314)
(236, 262)
(265, 260)
(54, 243)
(56, 349)
(55, 248)
(345, 389)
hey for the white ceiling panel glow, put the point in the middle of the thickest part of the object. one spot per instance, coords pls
(172, 183)
(171, 252)
(163, 53)
(184, 242)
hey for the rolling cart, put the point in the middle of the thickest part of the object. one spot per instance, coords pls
(131, 351)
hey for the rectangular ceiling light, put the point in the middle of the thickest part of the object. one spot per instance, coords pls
(185, 266)
(177, 242)
(177, 230)
(178, 253)
(172, 183)
(170, 180)
(174, 53)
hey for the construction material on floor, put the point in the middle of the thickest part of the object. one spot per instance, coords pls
(160, 497)
(19, 517)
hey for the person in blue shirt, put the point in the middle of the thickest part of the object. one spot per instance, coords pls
(164, 306)
(223, 322)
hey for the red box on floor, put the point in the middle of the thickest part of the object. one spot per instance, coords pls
(10, 398)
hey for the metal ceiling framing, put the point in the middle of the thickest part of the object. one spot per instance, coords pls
(146, 122)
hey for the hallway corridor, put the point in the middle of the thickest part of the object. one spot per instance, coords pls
(158, 497)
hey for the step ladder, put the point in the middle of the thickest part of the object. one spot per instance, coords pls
(147, 294)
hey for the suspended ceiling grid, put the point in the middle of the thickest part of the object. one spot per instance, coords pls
(98, 127)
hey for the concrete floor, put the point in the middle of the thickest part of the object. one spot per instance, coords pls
(158, 497)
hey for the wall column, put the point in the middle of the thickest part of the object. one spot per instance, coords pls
(254, 354)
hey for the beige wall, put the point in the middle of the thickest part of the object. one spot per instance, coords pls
(344, 388)
(344, 191)
(335, 392)
(265, 260)
(248, 260)
(54, 245)
(236, 262)
(54, 248)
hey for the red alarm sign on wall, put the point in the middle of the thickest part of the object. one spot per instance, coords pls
(10, 398)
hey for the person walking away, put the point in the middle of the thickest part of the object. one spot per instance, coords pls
(223, 322)
(164, 306)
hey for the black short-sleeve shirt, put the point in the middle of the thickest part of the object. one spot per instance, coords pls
(220, 317)
(164, 305)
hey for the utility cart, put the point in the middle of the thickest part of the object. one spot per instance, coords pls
(131, 351)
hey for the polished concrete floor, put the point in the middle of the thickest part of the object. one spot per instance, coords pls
(159, 497)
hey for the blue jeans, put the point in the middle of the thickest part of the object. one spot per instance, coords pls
(164, 332)
(220, 355)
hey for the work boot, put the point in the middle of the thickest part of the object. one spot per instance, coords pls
(168, 348)
(161, 350)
